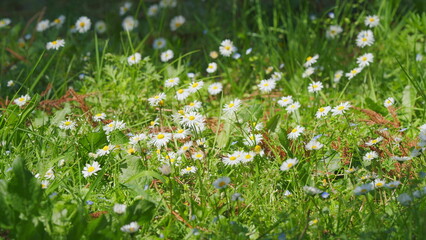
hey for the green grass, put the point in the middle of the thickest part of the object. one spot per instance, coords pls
(91, 75)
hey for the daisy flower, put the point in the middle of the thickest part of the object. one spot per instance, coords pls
(125, 8)
(181, 133)
(83, 24)
(182, 94)
(363, 189)
(353, 72)
(100, 27)
(311, 190)
(389, 102)
(378, 183)
(159, 43)
(276, 76)
(340, 109)
(311, 60)
(195, 86)
(42, 25)
(119, 208)
(67, 125)
(247, 157)
(160, 140)
(232, 107)
(226, 48)
(222, 182)
(365, 38)
(44, 184)
(114, 125)
(105, 150)
(177, 22)
(10, 83)
(371, 21)
(337, 76)
(130, 228)
(134, 59)
(185, 147)
(374, 141)
(129, 23)
(404, 199)
(168, 3)
(295, 132)
(313, 145)
(55, 44)
(50, 175)
(172, 82)
(401, 159)
(292, 107)
(370, 156)
(198, 155)
(4, 22)
(167, 55)
(308, 72)
(91, 169)
(137, 138)
(215, 88)
(157, 99)
(333, 31)
(58, 22)
(315, 87)
(289, 163)
(393, 185)
(322, 111)
(212, 67)
(22, 100)
(232, 159)
(267, 86)
(188, 169)
(153, 10)
(253, 139)
(284, 101)
(193, 106)
(193, 120)
(365, 60)
(99, 117)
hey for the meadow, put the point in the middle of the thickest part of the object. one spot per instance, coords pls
(243, 119)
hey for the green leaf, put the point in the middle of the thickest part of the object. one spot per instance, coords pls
(93, 141)
(273, 123)
(118, 137)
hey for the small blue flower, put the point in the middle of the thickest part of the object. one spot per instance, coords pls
(88, 202)
(325, 195)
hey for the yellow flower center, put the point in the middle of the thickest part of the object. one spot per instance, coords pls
(294, 130)
(82, 24)
(231, 105)
(180, 91)
(232, 158)
(188, 168)
(106, 148)
(248, 156)
(160, 136)
(257, 148)
(191, 118)
(21, 99)
(353, 71)
(379, 184)
(198, 155)
(364, 59)
(308, 59)
(321, 109)
(371, 19)
(194, 85)
(67, 123)
(363, 190)
(180, 131)
(55, 42)
(290, 165)
(364, 39)
(341, 108)
(91, 169)
(227, 48)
